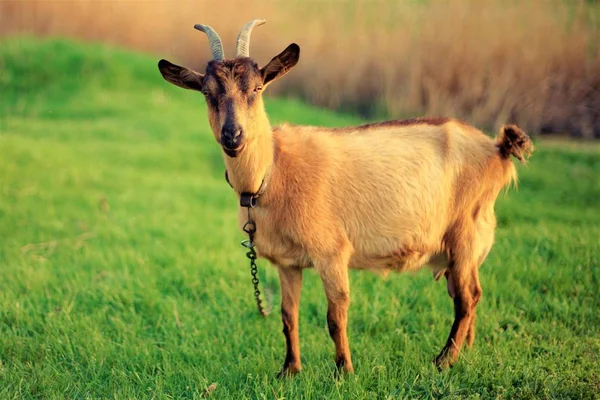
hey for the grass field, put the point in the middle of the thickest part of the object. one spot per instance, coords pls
(121, 274)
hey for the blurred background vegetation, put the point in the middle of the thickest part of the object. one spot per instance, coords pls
(534, 63)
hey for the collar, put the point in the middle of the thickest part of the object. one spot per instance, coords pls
(250, 200)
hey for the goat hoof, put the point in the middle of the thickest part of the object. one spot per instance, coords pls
(343, 368)
(444, 360)
(288, 372)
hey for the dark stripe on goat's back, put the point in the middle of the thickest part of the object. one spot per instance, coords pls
(436, 121)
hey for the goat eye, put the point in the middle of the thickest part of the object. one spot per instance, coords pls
(205, 92)
(258, 88)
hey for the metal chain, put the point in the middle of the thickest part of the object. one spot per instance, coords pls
(250, 229)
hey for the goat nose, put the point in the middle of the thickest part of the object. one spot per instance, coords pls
(231, 136)
(231, 132)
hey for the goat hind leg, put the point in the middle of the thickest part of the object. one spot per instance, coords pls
(475, 289)
(485, 226)
(460, 278)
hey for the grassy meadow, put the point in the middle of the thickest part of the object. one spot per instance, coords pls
(121, 274)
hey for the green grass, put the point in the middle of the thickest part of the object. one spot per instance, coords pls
(121, 274)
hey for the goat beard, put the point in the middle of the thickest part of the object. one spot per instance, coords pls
(233, 153)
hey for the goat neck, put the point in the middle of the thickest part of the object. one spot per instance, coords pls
(247, 170)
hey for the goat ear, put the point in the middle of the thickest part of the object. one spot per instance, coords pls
(180, 76)
(281, 64)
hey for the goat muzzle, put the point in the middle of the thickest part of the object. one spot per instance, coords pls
(232, 140)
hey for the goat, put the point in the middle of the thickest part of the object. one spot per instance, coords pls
(390, 196)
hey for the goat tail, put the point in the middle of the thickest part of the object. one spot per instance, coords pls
(513, 141)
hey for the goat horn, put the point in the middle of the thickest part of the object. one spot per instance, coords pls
(216, 47)
(243, 39)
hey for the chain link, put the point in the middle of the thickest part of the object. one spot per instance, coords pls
(250, 229)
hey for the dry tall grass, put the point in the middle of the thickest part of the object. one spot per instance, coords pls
(489, 61)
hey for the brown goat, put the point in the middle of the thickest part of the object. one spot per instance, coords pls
(396, 195)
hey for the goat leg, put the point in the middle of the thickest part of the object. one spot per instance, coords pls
(291, 284)
(466, 296)
(475, 288)
(334, 274)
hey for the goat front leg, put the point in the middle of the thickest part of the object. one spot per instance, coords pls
(291, 283)
(334, 274)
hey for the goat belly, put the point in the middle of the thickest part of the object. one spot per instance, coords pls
(398, 261)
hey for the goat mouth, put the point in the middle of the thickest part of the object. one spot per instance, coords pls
(233, 152)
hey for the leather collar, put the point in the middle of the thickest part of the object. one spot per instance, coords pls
(250, 200)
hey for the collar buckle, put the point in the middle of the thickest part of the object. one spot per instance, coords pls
(248, 200)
